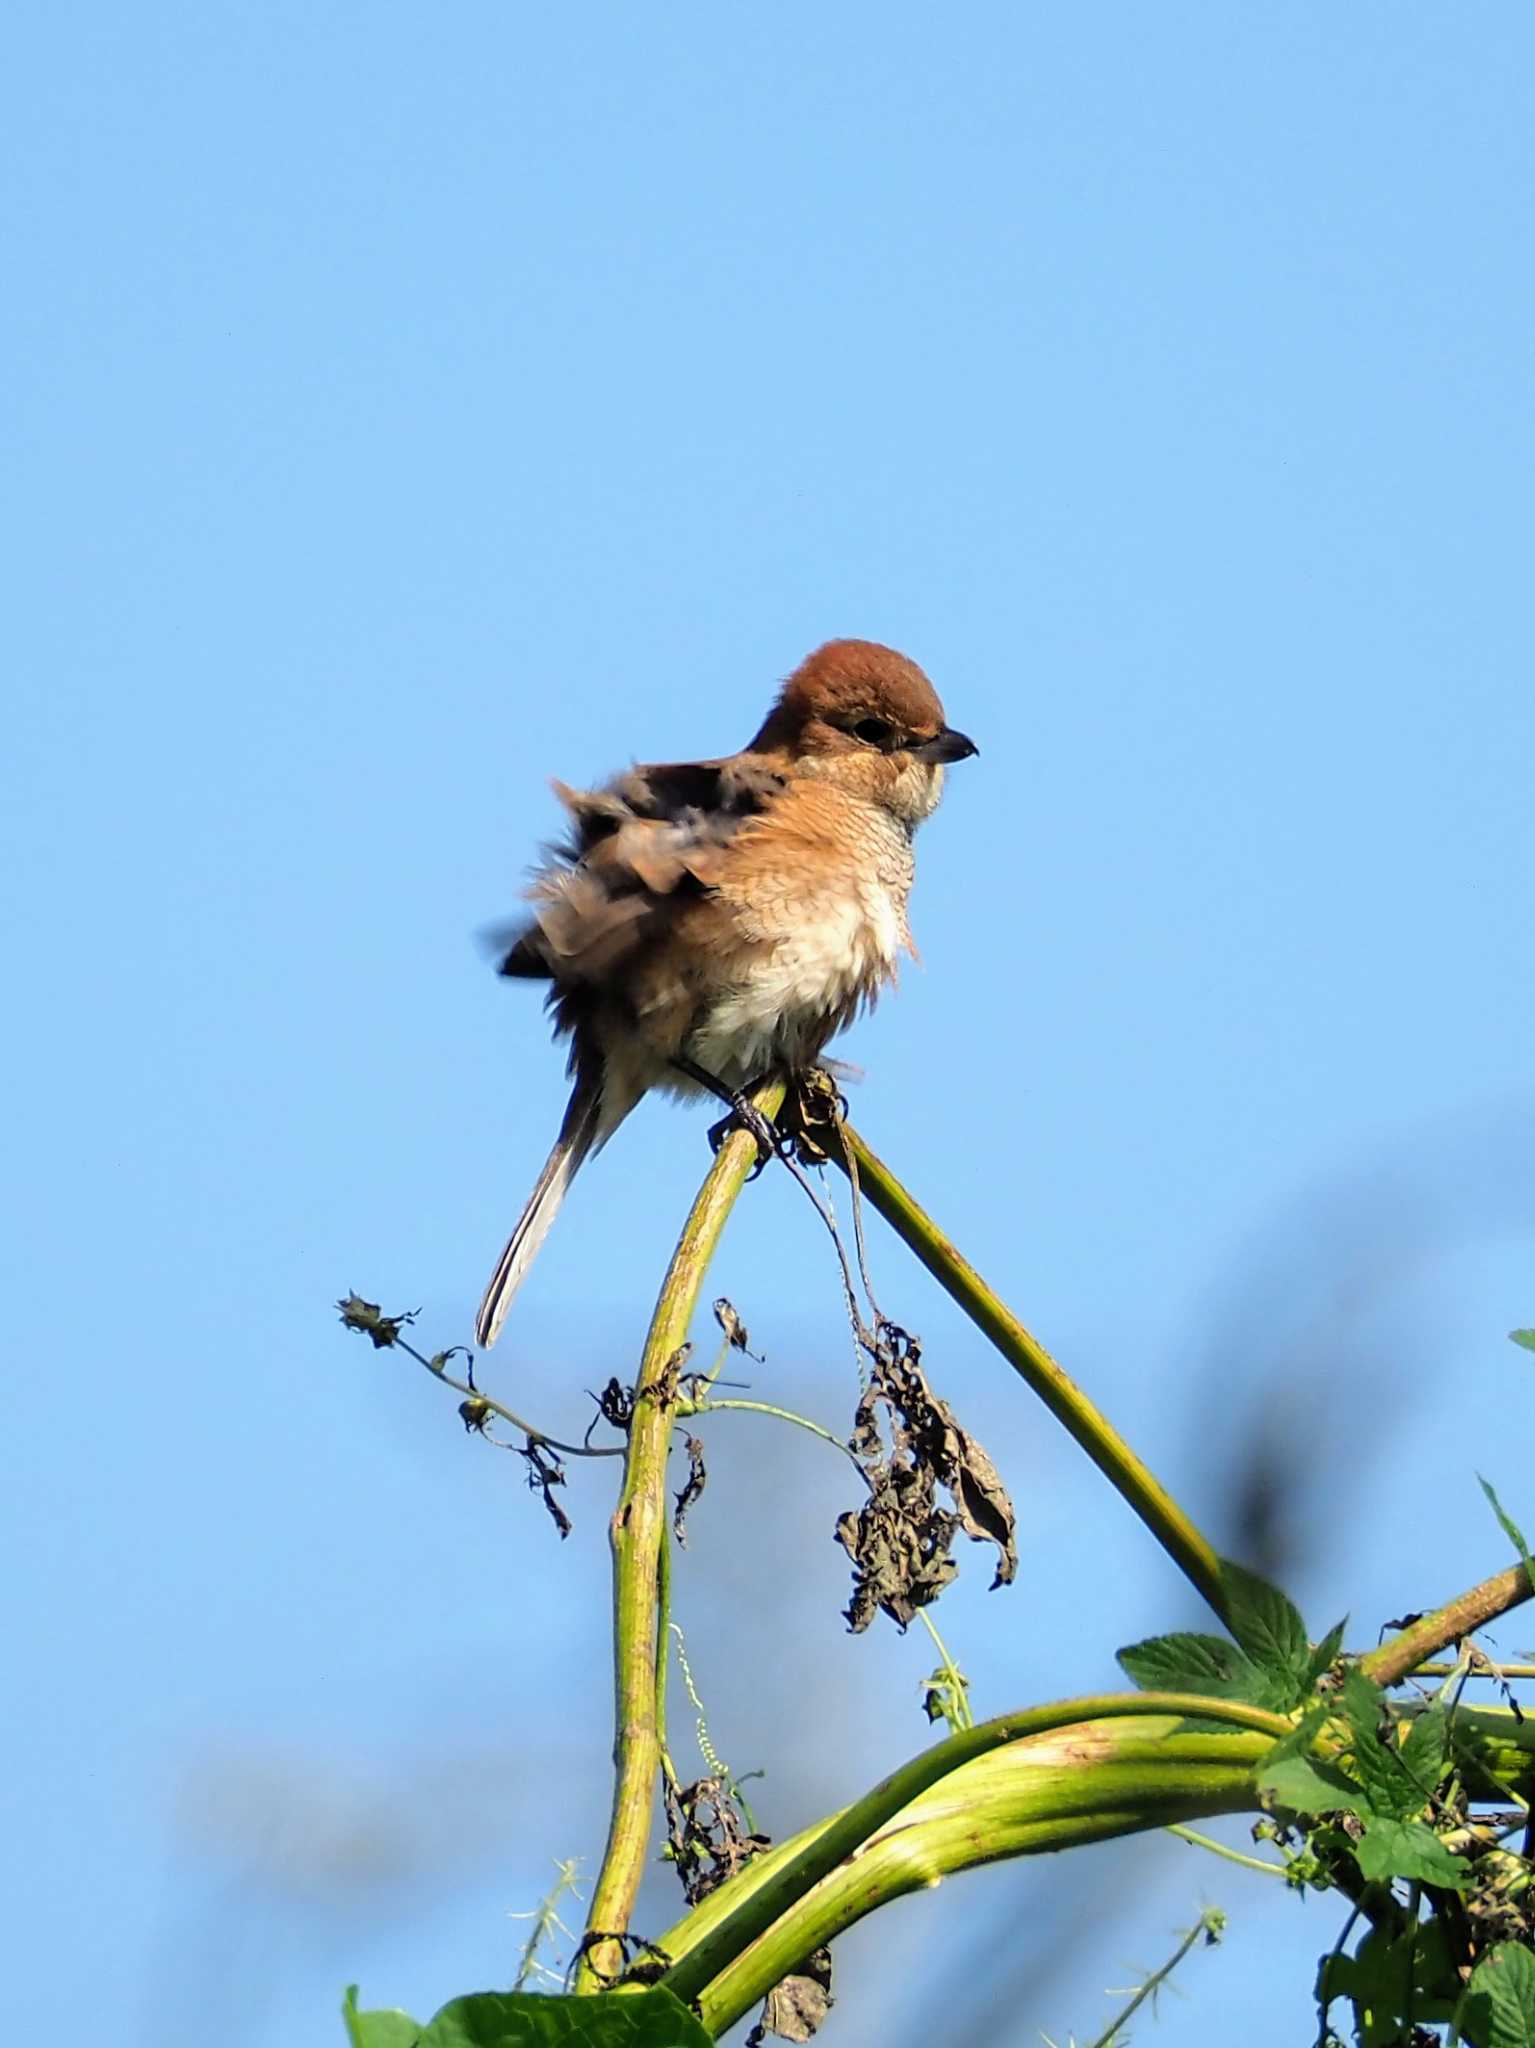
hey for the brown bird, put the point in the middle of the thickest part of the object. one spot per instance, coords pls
(710, 924)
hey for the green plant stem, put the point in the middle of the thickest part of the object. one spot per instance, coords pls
(1459, 1617)
(1194, 1556)
(959, 1685)
(534, 1436)
(1231, 1855)
(961, 1804)
(637, 1532)
(1487, 1670)
(711, 1406)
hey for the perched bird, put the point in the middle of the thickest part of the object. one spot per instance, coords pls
(709, 924)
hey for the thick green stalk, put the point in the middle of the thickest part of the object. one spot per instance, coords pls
(637, 1533)
(989, 1791)
(1134, 1481)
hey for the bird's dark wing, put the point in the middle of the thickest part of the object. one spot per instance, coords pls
(637, 849)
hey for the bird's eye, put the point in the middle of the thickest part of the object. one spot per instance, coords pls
(874, 730)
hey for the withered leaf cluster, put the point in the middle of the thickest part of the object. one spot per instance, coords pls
(370, 1319)
(737, 1336)
(545, 1472)
(901, 1539)
(707, 1836)
(709, 1840)
(690, 1490)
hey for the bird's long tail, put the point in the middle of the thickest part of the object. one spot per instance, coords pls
(583, 1130)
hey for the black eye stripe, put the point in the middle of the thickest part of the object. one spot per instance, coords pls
(875, 730)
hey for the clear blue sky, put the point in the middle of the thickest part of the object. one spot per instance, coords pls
(405, 404)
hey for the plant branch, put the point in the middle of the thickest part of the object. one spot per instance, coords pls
(386, 1333)
(1459, 1617)
(710, 1405)
(1198, 1841)
(637, 1533)
(1194, 1556)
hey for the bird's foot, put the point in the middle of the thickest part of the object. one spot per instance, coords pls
(745, 1116)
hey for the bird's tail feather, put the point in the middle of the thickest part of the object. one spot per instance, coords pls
(582, 1131)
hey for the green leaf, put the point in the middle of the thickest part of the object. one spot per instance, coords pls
(520, 2019)
(1387, 1787)
(1524, 1337)
(1387, 1981)
(1196, 1663)
(381, 2029)
(1498, 2010)
(1325, 1653)
(1406, 1848)
(1303, 1786)
(1509, 1527)
(1389, 1790)
(1268, 1626)
(1423, 1753)
(1363, 1702)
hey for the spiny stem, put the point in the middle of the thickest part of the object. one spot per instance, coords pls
(1210, 1925)
(713, 1761)
(545, 1918)
(637, 1533)
(1126, 1473)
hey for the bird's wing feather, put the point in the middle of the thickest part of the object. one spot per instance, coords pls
(639, 848)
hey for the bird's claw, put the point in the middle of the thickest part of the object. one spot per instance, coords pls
(746, 1116)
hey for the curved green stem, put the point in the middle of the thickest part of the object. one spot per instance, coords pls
(958, 1804)
(711, 1405)
(959, 1715)
(1194, 1556)
(637, 1532)
(1198, 1841)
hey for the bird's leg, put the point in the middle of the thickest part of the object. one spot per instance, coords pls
(744, 1114)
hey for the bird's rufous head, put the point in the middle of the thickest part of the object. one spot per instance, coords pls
(868, 718)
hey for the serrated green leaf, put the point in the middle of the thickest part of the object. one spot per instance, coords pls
(381, 2029)
(1268, 1626)
(1498, 2010)
(520, 2019)
(1186, 1663)
(1524, 1337)
(1325, 1654)
(1509, 1527)
(1304, 1786)
(1362, 1701)
(1406, 1848)
(1387, 1788)
(1198, 1663)
(1423, 1753)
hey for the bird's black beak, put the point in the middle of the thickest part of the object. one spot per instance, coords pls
(949, 746)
